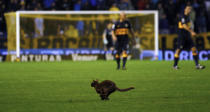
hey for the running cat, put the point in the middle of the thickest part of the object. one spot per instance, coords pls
(106, 87)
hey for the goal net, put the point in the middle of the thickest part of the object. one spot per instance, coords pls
(77, 32)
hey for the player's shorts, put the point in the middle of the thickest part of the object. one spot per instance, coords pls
(121, 44)
(184, 40)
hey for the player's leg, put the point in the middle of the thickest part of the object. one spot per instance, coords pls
(194, 53)
(195, 57)
(117, 55)
(180, 45)
(124, 53)
(176, 58)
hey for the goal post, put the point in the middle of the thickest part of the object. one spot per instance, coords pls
(19, 14)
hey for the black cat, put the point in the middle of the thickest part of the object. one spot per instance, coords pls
(105, 88)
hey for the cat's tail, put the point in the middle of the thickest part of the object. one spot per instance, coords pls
(127, 89)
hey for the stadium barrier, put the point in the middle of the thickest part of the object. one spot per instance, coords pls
(56, 49)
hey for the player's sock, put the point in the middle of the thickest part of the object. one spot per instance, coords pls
(124, 55)
(195, 57)
(176, 60)
(124, 61)
(118, 61)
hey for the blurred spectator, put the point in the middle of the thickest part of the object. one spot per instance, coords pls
(39, 27)
(66, 5)
(207, 3)
(48, 3)
(154, 1)
(136, 47)
(53, 6)
(93, 4)
(71, 32)
(32, 5)
(80, 27)
(201, 23)
(163, 25)
(101, 5)
(107, 38)
(125, 5)
(86, 6)
(192, 18)
(114, 7)
(78, 5)
(160, 10)
(38, 7)
(195, 5)
(170, 11)
(148, 7)
(13, 5)
(22, 5)
(2, 19)
(151, 5)
(141, 4)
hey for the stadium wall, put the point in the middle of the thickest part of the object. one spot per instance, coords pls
(91, 48)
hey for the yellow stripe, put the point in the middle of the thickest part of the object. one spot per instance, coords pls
(194, 54)
(121, 31)
(124, 55)
(117, 56)
(176, 55)
(180, 26)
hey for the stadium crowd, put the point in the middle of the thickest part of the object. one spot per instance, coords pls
(169, 10)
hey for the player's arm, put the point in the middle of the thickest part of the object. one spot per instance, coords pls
(113, 33)
(184, 24)
(114, 36)
(131, 30)
(189, 29)
(132, 35)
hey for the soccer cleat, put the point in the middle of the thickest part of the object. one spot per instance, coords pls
(124, 68)
(199, 66)
(175, 67)
(118, 67)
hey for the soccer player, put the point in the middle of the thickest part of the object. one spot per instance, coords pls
(185, 40)
(120, 35)
(107, 38)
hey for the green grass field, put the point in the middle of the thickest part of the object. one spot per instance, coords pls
(65, 87)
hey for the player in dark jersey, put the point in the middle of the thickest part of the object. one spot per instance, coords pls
(185, 40)
(107, 38)
(120, 35)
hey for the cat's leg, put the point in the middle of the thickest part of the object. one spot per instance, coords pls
(102, 96)
(110, 92)
(107, 96)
